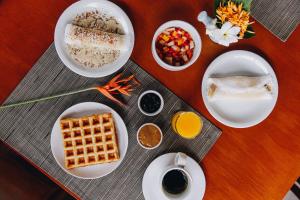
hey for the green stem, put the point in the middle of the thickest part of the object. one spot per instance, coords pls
(47, 98)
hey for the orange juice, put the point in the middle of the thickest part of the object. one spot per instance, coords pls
(187, 124)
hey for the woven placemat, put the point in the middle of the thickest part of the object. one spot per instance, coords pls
(281, 17)
(27, 129)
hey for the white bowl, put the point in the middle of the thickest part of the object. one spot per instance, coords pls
(102, 6)
(161, 105)
(137, 136)
(194, 34)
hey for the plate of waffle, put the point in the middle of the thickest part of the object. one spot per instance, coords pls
(89, 140)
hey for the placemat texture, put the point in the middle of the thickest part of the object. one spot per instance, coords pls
(27, 129)
(281, 17)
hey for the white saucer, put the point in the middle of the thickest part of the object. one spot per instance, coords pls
(237, 113)
(93, 171)
(151, 180)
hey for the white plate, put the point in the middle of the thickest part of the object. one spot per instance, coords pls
(237, 113)
(151, 180)
(102, 6)
(93, 171)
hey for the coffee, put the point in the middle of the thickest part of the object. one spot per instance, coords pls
(175, 182)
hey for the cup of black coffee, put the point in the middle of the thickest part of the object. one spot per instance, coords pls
(176, 181)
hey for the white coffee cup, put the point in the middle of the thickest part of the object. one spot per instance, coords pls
(179, 164)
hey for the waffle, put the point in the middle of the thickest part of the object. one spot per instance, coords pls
(89, 140)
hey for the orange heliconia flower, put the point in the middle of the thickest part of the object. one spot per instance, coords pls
(118, 86)
(114, 86)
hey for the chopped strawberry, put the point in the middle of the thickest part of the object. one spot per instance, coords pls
(165, 49)
(189, 54)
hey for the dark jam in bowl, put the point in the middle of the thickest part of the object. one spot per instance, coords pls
(150, 103)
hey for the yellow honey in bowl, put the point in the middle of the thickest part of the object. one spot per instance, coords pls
(187, 124)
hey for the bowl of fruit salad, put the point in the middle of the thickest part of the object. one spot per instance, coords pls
(176, 45)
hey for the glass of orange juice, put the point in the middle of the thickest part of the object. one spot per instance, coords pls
(187, 124)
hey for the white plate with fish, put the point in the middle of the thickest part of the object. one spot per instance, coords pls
(240, 89)
(94, 38)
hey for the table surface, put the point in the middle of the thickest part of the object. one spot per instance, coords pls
(260, 162)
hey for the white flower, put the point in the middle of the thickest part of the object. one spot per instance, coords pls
(226, 35)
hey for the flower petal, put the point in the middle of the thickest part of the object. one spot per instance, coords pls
(216, 35)
(108, 95)
(224, 43)
(231, 39)
(234, 30)
(226, 26)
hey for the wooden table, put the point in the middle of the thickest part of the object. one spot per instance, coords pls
(260, 162)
